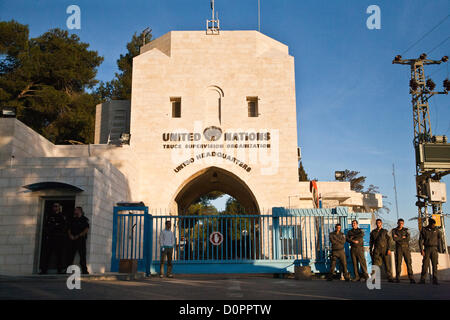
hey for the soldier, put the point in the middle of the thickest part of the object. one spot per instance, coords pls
(429, 240)
(55, 227)
(380, 243)
(401, 237)
(337, 239)
(355, 237)
(78, 229)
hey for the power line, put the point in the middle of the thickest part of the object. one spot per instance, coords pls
(426, 34)
(440, 44)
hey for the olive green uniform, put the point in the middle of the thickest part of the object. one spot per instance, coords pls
(357, 251)
(337, 240)
(401, 239)
(380, 243)
(429, 241)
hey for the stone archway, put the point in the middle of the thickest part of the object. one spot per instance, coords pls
(215, 179)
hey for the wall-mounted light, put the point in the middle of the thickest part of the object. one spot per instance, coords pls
(9, 112)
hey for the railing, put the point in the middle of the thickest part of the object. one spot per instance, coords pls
(285, 235)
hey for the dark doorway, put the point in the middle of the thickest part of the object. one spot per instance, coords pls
(68, 206)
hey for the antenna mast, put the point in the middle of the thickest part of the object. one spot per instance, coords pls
(213, 25)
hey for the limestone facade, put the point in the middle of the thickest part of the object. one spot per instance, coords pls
(208, 112)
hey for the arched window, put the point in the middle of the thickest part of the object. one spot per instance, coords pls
(214, 97)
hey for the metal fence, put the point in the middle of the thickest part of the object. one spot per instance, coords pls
(254, 240)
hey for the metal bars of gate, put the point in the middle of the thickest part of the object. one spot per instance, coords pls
(131, 236)
(304, 234)
(245, 237)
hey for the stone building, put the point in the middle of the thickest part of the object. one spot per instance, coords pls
(208, 113)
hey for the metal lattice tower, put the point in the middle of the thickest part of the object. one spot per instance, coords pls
(421, 90)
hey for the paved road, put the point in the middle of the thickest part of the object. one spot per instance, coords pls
(214, 288)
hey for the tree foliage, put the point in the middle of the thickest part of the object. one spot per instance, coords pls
(302, 176)
(120, 87)
(46, 78)
(356, 182)
(233, 206)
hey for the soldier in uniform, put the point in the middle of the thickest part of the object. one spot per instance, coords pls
(401, 237)
(355, 237)
(78, 229)
(380, 243)
(55, 231)
(429, 240)
(337, 239)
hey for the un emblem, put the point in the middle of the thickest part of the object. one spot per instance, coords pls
(212, 133)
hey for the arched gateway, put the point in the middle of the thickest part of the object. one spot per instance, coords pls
(215, 179)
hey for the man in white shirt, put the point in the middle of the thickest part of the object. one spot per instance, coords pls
(167, 242)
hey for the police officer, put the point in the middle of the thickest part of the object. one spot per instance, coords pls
(337, 239)
(429, 240)
(78, 229)
(401, 237)
(380, 243)
(355, 237)
(55, 235)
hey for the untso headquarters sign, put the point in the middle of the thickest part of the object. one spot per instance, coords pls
(227, 140)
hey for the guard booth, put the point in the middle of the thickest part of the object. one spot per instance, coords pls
(233, 243)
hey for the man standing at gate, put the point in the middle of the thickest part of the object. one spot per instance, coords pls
(78, 229)
(380, 243)
(401, 237)
(167, 243)
(355, 237)
(429, 240)
(55, 235)
(337, 239)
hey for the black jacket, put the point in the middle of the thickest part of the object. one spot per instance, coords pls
(356, 234)
(78, 225)
(429, 237)
(337, 240)
(55, 225)
(397, 236)
(380, 241)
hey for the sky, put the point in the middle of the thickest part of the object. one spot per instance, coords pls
(353, 105)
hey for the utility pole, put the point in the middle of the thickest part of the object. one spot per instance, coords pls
(395, 190)
(432, 152)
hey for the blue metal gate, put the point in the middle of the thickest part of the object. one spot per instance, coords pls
(251, 243)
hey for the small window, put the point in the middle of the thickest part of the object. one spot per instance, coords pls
(252, 106)
(176, 107)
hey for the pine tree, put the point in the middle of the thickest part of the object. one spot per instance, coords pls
(120, 87)
(46, 79)
(302, 176)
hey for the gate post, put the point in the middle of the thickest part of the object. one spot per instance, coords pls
(148, 241)
(114, 242)
(276, 237)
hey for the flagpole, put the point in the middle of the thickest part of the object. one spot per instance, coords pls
(259, 15)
